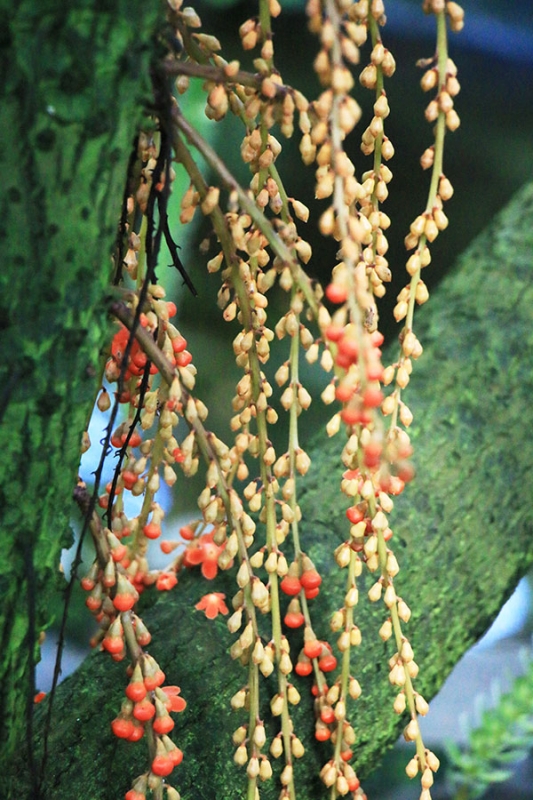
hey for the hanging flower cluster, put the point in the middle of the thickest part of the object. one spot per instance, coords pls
(256, 532)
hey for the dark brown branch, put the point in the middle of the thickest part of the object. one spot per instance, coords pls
(219, 75)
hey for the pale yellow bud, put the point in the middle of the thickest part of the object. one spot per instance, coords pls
(385, 631)
(422, 706)
(253, 767)
(400, 703)
(411, 731)
(265, 770)
(276, 748)
(412, 768)
(241, 755)
(374, 593)
(286, 775)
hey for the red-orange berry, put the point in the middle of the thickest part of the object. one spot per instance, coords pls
(303, 668)
(152, 530)
(162, 765)
(135, 691)
(322, 732)
(122, 727)
(313, 648)
(294, 619)
(143, 710)
(310, 579)
(291, 585)
(327, 663)
(137, 733)
(163, 724)
(336, 293)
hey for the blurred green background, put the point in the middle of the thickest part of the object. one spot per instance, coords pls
(487, 159)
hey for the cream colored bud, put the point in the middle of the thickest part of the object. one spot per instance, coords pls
(355, 636)
(259, 737)
(385, 632)
(404, 612)
(265, 770)
(239, 735)
(267, 668)
(241, 755)
(374, 593)
(286, 776)
(411, 731)
(342, 555)
(276, 748)
(445, 188)
(285, 664)
(429, 80)
(293, 695)
(252, 769)
(400, 312)
(432, 761)
(406, 416)
(392, 565)
(337, 621)
(452, 120)
(390, 596)
(239, 699)
(301, 210)
(329, 775)
(258, 652)
(297, 748)
(412, 768)
(210, 201)
(354, 689)
(276, 705)
(388, 65)
(243, 575)
(399, 703)
(259, 593)
(422, 706)
(427, 158)
(351, 598)
(368, 77)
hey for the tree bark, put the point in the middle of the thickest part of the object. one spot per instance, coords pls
(75, 80)
(462, 537)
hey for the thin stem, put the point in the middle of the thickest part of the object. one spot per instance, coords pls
(247, 204)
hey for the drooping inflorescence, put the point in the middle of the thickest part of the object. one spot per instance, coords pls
(259, 233)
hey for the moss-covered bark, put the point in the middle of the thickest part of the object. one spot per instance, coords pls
(462, 536)
(74, 78)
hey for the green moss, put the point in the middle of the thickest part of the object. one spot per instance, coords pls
(70, 107)
(462, 537)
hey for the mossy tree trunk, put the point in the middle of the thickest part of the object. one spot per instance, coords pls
(74, 77)
(462, 536)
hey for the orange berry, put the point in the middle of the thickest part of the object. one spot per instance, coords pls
(137, 733)
(143, 710)
(310, 579)
(313, 648)
(322, 733)
(135, 691)
(336, 293)
(291, 585)
(294, 619)
(303, 668)
(122, 727)
(162, 765)
(163, 724)
(152, 530)
(327, 663)
(179, 344)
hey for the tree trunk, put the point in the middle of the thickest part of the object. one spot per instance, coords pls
(75, 81)
(462, 536)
